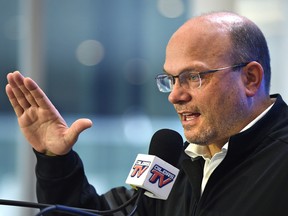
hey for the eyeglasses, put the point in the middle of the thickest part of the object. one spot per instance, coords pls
(188, 79)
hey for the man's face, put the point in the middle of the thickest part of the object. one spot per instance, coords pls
(215, 111)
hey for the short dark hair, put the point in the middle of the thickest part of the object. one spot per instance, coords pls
(249, 44)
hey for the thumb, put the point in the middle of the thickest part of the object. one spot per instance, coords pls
(77, 127)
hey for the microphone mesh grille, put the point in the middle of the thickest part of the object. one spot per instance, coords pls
(166, 144)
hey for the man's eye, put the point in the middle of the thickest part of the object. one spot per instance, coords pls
(194, 77)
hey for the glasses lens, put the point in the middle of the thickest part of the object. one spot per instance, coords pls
(164, 83)
(189, 80)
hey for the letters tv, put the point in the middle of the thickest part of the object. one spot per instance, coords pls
(159, 174)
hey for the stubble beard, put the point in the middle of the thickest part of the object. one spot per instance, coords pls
(198, 137)
(214, 133)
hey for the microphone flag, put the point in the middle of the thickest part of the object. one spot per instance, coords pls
(154, 175)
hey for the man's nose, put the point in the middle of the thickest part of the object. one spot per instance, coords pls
(179, 94)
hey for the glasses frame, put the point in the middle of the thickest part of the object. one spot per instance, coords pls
(173, 78)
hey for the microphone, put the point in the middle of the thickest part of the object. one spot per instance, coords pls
(151, 172)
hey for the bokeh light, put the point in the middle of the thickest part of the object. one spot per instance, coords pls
(171, 8)
(90, 52)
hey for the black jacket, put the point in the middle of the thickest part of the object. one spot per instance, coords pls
(252, 180)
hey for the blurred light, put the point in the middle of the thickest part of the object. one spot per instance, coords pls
(137, 127)
(171, 8)
(11, 28)
(136, 71)
(254, 10)
(90, 52)
(10, 187)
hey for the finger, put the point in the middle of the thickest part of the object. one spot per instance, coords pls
(27, 92)
(37, 94)
(17, 93)
(15, 81)
(19, 79)
(14, 102)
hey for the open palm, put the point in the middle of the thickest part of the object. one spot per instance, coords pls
(39, 121)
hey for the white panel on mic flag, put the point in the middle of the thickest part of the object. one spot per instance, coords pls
(154, 175)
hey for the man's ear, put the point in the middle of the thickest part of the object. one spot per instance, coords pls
(252, 75)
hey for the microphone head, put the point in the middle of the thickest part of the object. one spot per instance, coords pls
(166, 144)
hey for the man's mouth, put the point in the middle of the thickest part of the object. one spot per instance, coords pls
(187, 116)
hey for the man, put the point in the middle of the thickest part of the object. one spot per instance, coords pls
(217, 70)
